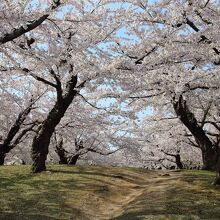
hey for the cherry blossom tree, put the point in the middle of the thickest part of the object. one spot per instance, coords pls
(18, 106)
(173, 63)
(59, 48)
(162, 54)
(89, 128)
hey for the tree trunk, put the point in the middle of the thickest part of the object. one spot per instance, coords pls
(78, 146)
(61, 153)
(178, 161)
(4, 149)
(209, 155)
(73, 160)
(2, 158)
(41, 141)
(209, 158)
(40, 149)
(217, 179)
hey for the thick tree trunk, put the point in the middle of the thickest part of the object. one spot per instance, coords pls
(217, 179)
(209, 155)
(4, 149)
(2, 158)
(209, 158)
(40, 149)
(41, 141)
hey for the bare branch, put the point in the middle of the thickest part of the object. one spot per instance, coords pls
(102, 153)
(139, 61)
(145, 97)
(90, 102)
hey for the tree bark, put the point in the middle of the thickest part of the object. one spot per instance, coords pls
(178, 161)
(73, 160)
(209, 155)
(41, 141)
(2, 158)
(78, 146)
(217, 179)
(177, 158)
(61, 153)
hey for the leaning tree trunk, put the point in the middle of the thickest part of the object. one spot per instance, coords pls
(209, 155)
(41, 141)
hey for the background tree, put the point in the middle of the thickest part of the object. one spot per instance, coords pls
(16, 133)
(60, 49)
(174, 56)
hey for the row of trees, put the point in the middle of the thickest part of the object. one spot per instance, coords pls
(175, 63)
(54, 62)
(64, 56)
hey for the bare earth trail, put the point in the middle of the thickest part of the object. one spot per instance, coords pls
(102, 193)
(175, 195)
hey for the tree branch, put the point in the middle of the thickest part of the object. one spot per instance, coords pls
(90, 102)
(38, 78)
(17, 32)
(139, 61)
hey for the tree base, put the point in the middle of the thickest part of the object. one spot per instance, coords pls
(2, 159)
(38, 167)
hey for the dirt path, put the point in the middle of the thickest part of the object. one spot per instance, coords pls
(174, 196)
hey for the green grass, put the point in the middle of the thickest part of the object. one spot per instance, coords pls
(83, 192)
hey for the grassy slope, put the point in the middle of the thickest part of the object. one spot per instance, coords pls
(65, 192)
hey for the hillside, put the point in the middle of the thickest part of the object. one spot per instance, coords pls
(82, 192)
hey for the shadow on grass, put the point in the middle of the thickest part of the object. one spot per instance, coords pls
(127, 178)
(16, 216)
(107, 172)
(52, 194)
(30, 197)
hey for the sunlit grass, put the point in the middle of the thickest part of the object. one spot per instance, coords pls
(182, 195)
(83, 192)
(65, 192)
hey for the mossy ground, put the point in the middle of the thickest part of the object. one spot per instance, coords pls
(92, 192)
